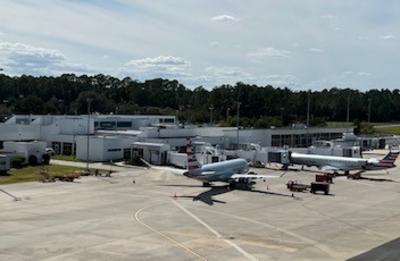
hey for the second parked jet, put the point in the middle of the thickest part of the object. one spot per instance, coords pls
(336, 164)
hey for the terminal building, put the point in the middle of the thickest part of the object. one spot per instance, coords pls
(115, 137)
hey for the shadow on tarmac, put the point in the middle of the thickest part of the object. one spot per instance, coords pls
(207, 197)
(377, 179)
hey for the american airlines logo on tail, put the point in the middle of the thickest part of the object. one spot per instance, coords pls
(389, 159)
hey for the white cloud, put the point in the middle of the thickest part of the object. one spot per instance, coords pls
(214, 43)
(328, 16)
(231, 75)
(224, 18)
(362, 37)
(315, 50)
(20, 58)
(352, 74)
(281, 80)
(270, 52)
(225, 72)
(161, 66)
(337, 28)
(168, 62)
(348, 72)
(389, 37)
(363, 74)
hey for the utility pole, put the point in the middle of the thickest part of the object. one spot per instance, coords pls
(211, 114)
(89, 102)
(308, 108)
(188, 107)
(227, 113)
(282, 109)
(369, 110)
(348, 109)
(237, 124)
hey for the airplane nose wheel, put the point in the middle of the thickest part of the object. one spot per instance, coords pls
(245, 182)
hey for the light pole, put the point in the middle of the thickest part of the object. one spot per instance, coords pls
(188, 109)
(237, 124)
(227, 113)
(89, 102)
(348, 109)
(211, 113)
(308, 108)
(369, 110)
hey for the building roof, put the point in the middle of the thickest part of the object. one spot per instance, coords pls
(148, 144)
(120, 132)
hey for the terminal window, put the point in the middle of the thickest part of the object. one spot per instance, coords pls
(124, 124)
(110, 150)
(169, 120)
(107, 124)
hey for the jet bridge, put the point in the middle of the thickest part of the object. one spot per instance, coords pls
(281, 156)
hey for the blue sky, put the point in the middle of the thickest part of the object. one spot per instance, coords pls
(300, 44)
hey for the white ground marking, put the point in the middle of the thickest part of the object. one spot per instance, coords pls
(216, 233)
(164, 235)
(322, 247)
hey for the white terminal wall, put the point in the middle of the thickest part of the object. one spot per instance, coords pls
(102, 148)
(11, 132)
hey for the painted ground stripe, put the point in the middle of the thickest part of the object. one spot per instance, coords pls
(216, 233)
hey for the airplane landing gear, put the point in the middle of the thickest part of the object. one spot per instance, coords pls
(206, 184)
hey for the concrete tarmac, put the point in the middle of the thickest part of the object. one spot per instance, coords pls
(162, 216)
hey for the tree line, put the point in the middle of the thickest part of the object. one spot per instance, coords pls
(260, 106)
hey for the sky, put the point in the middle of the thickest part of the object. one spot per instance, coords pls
(308, 44)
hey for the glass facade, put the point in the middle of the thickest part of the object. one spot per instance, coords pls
(124, 124)
(67, 148)
(107, 124)
(301, 140)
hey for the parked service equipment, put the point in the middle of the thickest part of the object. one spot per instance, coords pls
(4, 164)
(319, 186)
(297, 187)
(327, 177)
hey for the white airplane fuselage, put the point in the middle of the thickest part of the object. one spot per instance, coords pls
(219, 171)
(334, 163)
(341, 163)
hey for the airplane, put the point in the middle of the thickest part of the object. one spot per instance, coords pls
(346, 164)
(233, 171)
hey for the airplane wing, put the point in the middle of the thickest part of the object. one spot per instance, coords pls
(252, 176)
(329, 168)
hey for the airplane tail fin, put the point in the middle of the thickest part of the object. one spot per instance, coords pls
(389, 159)
(193, 164)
